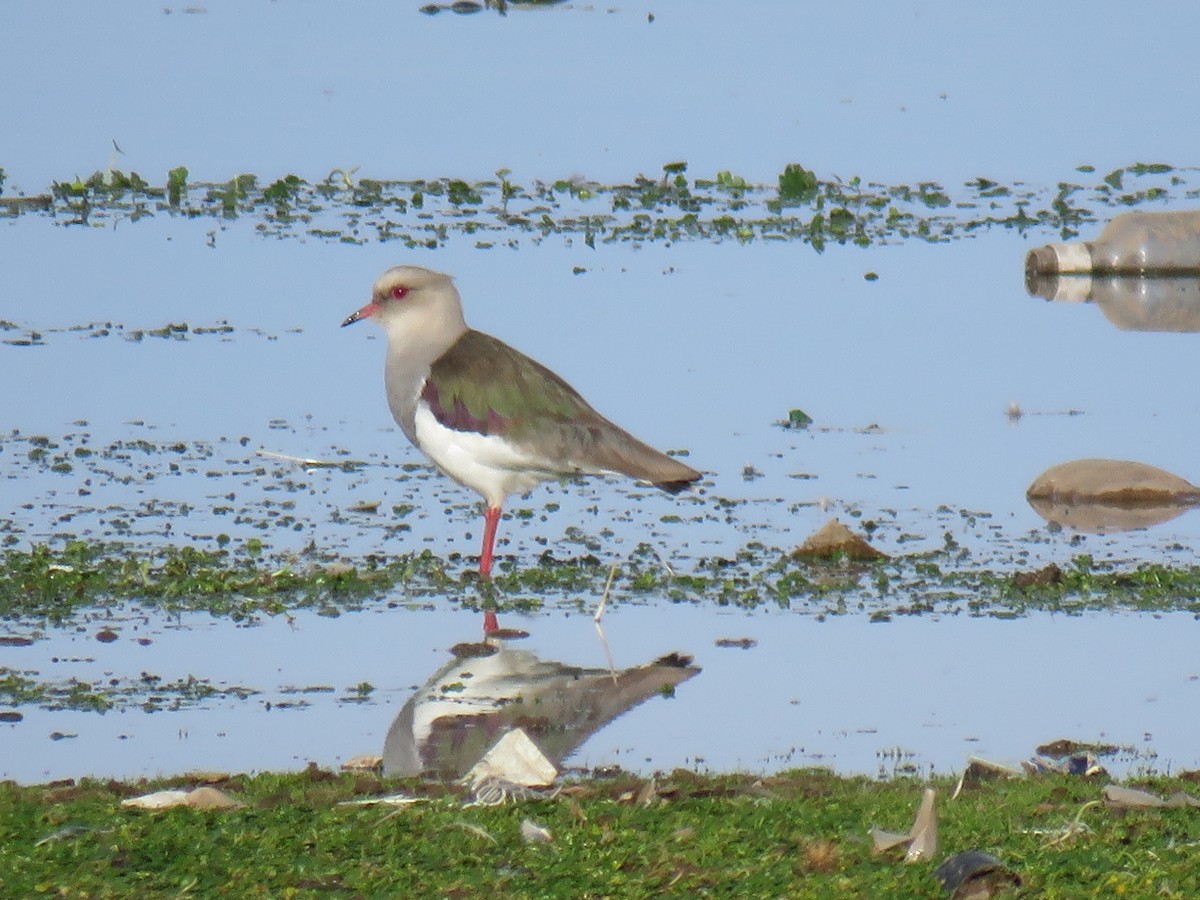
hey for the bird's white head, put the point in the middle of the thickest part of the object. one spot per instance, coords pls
(414, 300)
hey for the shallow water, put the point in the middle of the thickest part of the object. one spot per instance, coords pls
(694, 345)
(923, 90)
(909, 379)
(918, 694)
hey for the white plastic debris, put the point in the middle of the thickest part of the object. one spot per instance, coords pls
(533, 833)
(389, 800)
(979, 770)
(364, 762)
(1131, 798)
(921, 839)
(924, 830)
(200, 798)
(514, 759)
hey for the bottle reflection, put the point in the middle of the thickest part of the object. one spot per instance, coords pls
(1129, 303)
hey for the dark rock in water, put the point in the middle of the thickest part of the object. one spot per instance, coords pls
(1103, 495)
(1113, 481)
(1066, 746)
(834, 539)
(744, 643)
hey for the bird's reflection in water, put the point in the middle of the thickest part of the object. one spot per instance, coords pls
(493, 686)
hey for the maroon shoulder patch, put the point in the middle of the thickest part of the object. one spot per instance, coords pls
(457, 417)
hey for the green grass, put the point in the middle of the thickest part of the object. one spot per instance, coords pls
(798, 834)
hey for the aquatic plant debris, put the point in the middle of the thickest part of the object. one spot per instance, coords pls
(239, 583)
(18, 336)
(671, 207)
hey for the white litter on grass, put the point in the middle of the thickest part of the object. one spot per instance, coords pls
(389, 800)
(514, 759)
(364, 762)
(533, 833)
(979, 770)
(514, 769)
(200, 798)
(921, 839)
(1116, 795)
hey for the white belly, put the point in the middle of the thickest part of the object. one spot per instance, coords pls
(487, 464)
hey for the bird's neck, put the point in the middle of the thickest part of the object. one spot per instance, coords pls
(413, 347)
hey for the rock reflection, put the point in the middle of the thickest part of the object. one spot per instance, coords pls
(470, 7)
(1130, 303)
(1106, 495)
(492, 687)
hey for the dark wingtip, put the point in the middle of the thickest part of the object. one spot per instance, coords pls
(675, 487)
(674, 660)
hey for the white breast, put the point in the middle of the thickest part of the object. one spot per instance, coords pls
(485, 463)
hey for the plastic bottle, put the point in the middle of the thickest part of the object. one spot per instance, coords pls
(1133, 243)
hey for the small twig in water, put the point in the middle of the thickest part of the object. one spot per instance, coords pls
(612, 573)
(310, 463)
(663, 562)
(612, 670)
(343, 176)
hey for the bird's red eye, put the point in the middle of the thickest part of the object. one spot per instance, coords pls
(399, 292)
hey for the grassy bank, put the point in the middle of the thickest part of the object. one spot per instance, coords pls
(798, 834)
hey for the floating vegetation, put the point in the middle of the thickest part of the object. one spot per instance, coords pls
(148, 692)
(55, 585)
(797, 418)
(672, 207)
(239, 583)
(14, 336)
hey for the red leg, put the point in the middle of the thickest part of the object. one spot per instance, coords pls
(491, 518)
(490, 623)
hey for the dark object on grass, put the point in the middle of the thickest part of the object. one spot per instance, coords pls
(975, 875)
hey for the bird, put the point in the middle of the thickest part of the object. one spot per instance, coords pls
(486, 414)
